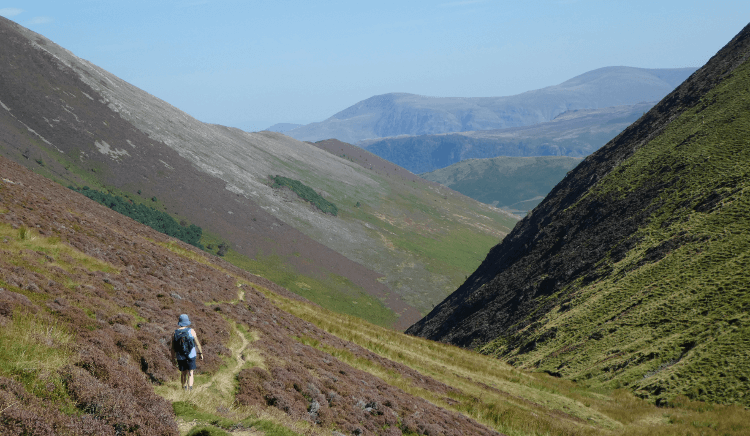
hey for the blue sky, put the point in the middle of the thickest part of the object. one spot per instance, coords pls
(252, 64)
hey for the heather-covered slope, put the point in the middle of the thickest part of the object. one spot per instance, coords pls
(408, 114)
(388, 255)
(634, 270)
(576, 133)
(89, 299)
(92, 298)
(516, 184)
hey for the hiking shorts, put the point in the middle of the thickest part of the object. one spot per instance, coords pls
(186, 364)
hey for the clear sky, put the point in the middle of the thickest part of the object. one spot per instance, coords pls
(252, 64)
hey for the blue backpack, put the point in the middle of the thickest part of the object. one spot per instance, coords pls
(183, 343)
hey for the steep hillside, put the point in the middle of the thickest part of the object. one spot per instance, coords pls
(576, 133)
(516, 184)
(387, 255)
(89, 300)
(633, 271)
(408, 114)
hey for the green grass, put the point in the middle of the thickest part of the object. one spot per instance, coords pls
(678, 326)
(306, 193)
(270, 428)
(428, 240)
(33, 350)
(459, 252)
(189, 412)
(206, 431)
(504, 180)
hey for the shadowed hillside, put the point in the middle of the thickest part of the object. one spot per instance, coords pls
(633, 271)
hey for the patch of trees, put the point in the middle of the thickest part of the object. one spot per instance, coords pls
(306, 193)
(156, 219)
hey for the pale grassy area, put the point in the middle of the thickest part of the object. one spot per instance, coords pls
(31, 344)
(62, 254)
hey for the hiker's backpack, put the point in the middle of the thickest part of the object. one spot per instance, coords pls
(183, 343)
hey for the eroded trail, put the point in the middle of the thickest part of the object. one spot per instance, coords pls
(223, 380)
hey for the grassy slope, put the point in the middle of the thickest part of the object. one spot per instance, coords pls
(505, 181)
(418, 233)
(418, 229)
(680, 323)
(513, 401)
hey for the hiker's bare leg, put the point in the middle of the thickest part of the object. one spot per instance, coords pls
(183, 378)
(190, 380)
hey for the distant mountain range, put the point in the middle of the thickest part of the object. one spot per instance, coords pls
(408, 114)
(516, 184)
(633, 272)
(576, 133)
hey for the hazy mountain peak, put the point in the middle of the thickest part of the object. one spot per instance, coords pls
(397, 114)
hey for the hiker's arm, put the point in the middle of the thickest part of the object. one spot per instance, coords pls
(171, 348)
(198, 345)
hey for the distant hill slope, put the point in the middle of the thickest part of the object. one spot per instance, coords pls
(408, 114)
(516, 184)
(283, 127)
(389, 255)
(634, 271)
(573, 133)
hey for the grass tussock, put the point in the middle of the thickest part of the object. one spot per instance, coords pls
(33, 350)
(30, 344)
(58, 253)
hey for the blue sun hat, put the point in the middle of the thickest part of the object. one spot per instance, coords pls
(184, 321)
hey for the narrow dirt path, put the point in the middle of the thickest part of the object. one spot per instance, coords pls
(218, 389)
(223, 380)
